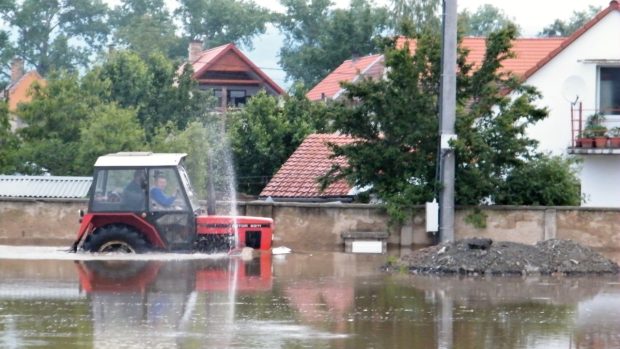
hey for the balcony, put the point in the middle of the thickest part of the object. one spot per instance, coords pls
(594, 131)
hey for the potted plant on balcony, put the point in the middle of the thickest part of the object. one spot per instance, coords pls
(585, 140)
(614, 137)
(596, 130)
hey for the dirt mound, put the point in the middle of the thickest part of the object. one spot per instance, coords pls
(484, 256)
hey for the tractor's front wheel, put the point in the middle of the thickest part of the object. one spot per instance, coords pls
(115, 238)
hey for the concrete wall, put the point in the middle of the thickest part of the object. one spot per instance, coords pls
(310, 225)
(30, 221)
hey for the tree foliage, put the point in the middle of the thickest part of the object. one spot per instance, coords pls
(108, 129)
(545, 180)
(151, 86)
(55, 34)
(410, 17)
(265, 133)
(146, 27)
(219, 22)
(318, 38)
(485, 20)
(9, 143)
(119, 105)
(565, 28)
(395, 123)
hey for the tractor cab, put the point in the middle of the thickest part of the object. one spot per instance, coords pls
(144, 201)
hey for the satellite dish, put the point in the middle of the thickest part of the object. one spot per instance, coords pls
(573, 89)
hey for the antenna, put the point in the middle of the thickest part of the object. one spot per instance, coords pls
(573, 88)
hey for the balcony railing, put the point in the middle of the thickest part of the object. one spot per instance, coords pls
(594, 129)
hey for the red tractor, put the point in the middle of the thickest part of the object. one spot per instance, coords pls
(144, 202)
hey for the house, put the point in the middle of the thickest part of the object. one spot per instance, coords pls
(580, 78)
(529, 51)
(229, 73)
(17, 91)
(297, 179)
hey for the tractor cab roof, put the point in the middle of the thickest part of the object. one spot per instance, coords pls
(140, 159)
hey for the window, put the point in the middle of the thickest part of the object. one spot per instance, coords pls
(236, 98)
(609, 90)
(218, 95)
(165, 193)
(119, 190)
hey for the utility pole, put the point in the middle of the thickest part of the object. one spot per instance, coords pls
(447, 119)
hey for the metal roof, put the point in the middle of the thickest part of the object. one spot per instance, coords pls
(44, 187)
(139, 159)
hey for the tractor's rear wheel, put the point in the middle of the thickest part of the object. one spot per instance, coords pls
(115, 238)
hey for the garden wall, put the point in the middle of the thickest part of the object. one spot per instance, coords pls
(312, 225)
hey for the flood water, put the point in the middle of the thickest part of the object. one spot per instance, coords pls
(300, 300)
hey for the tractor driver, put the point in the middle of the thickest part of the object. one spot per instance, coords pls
(158, 193)
(134, 193)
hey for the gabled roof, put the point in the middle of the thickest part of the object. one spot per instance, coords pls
(349, 71)
(529, 52)
(613, 6)
(44, 187)
(297, 178)
(17, 92)
(211, 57)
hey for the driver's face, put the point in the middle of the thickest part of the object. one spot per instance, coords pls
(161, 182)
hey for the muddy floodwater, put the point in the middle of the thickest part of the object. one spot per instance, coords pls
(306, 299)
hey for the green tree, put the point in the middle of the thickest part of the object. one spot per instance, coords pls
(565, 28)
(544, 180)
(395, 121)
(6, 52)
(9, 143)
(152, 87)
(265, 133)
(218, 22)
(53, 119)
(318, 39)
(192, 140)
(411, 17)
(145, 27)
(55, 34)
(108, 129)
(485, 20)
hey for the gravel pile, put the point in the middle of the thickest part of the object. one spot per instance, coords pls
(478, 256)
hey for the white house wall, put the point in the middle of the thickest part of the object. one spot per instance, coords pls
(599, 174)
(599, 42)
(599, 181)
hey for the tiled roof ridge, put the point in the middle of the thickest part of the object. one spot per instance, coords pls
(613, 5)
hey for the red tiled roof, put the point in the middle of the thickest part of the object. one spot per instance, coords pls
(348, 71)
(209, 57)
(613, 6)
(297, 178)
(528, 51)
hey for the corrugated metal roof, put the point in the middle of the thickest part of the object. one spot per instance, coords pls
(58, 187)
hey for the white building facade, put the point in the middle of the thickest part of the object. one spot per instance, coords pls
(584, 75)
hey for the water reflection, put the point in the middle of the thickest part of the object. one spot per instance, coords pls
(318, 300)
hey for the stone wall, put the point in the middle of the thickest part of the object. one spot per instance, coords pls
(313, 225)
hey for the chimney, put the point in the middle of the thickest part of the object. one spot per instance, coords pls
(17, 69)
(195, 48)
